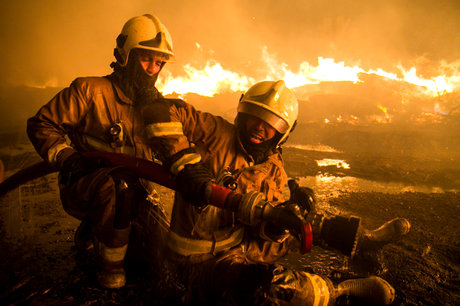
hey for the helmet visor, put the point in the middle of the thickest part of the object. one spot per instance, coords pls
(276, 122)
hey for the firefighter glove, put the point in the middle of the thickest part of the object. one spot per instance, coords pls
(77, 165)
(195, 183)
(304, 197)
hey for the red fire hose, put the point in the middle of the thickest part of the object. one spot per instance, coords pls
(220, 197)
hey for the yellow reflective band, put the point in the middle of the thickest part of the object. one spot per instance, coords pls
(162, 129)
(320, 289)
(191, 158)
(54, 151)
(187, 246)
(111, 254)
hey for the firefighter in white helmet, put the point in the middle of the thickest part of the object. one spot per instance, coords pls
(102, 114)
(224, 256)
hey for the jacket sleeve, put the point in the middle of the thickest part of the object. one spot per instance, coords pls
(199, 127)
(173, 127)
(47, 130)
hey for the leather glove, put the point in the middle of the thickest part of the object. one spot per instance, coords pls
(304, 197)
(194, 183)
(285, 218)
(77, 165)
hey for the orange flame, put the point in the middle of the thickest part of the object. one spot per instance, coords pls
(208, 81)
(385, 111)
(214, 79)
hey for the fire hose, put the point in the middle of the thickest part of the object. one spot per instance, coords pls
(251, 208)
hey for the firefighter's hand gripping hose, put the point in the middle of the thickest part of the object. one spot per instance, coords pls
(78, 165)
(251, 209)
(288, 219)
(303, 197)
(194, 183)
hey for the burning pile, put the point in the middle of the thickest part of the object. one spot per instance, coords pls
(333, 91)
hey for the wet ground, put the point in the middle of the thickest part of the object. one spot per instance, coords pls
(40, 265)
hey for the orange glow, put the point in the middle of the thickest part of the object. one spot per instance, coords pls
(339, 163)
(213, 78)
(384, 110)
(209, 81)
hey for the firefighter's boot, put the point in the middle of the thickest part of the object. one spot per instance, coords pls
(388, 232)
(372, 289)
(110, 260)
(290, 287)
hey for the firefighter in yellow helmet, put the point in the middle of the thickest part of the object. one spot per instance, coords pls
(226, 256)
(103, 114)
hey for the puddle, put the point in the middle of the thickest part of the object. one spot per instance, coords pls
(335, 185)
(327, 184)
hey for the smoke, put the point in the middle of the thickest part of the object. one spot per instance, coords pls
(50, 42)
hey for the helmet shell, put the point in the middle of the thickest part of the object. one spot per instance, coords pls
(272, 102)
(144, 32)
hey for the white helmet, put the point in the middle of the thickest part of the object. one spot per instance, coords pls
(272, 102)
(143, 32)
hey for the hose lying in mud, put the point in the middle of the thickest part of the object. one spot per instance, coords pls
(250, 209)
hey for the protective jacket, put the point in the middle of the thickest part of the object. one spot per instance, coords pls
(209, 249)
(197, 232)
(84, 113)
(92, 114)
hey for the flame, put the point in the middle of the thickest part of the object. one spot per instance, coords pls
(385, 111)
(213, 78)
(208, 81)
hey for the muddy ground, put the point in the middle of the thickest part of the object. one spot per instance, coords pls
(40, 265)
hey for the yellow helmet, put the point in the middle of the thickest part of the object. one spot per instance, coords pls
(272, 102)
(143, 32)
